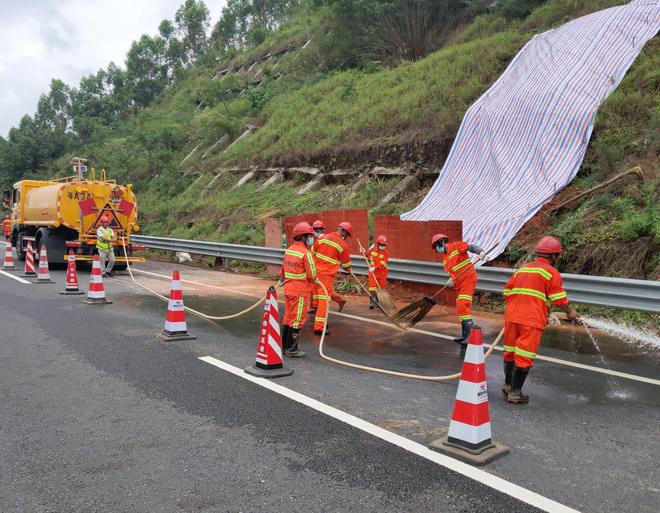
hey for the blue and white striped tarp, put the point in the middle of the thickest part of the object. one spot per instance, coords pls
(525, 138)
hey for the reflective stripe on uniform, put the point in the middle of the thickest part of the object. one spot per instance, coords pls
(333, 244)
(465, 297)
(509, 349)
(311, 263)
(453, 254)
(527, 354)
(462, 264)
(299, 313)
(327, 259)
(535, 270)
(525, 292)
(558, 295)
(295, 276)
(293, 252)
(346, 265)
(319, 319)
(321, 296)
(465, 317)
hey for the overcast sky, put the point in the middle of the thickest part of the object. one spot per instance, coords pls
(67, 39)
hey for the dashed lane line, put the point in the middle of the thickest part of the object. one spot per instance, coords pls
(481, 476)
(17, 278)
(558, 361)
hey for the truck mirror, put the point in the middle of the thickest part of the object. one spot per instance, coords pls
(6, 198)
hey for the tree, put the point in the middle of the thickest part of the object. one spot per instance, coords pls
(192, 22)
(146, 69)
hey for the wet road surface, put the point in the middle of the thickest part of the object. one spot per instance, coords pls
(97, 411)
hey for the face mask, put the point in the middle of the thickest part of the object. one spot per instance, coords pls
(381, 247)
(440, 249)
(310, 240)
(318, 234)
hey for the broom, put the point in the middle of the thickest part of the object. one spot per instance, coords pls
(383, 298)
(413, 313)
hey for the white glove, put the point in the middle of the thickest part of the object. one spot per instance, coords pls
(317, 281)
(483, 256)
(450, 283)
(553, 319)
(372, 269)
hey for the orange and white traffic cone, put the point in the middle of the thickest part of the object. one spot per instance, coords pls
(96, 291)
(9, 257)
(44, 273)
(71, 287)
(268, 363)
(29, 269)
(469, 437)
(176, 327)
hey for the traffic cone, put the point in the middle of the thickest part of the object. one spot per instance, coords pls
(71, 287)
(469, 437)
(175, 319)
(44, 273)
(96, 291)
(9, 257)
(29, 269)
(268, 362)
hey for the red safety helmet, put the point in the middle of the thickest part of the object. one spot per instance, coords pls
(548, 245)
(318, 225)
(105, 219)
(347, 227)
(437, 238)
(382, 240)
(302, 228)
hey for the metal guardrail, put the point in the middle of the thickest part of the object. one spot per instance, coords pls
(628, 294)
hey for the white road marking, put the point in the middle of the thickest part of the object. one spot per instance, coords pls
(559, 361)
(481, 476)
(17, 278)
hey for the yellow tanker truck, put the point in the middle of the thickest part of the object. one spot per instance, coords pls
(64, 214)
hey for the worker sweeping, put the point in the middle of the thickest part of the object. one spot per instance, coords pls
(527, 295)
(378, 257)
(6, 227)
(298, 275)
(464, 281)
(332, 253)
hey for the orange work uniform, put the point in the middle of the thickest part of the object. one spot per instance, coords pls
(528, 294)
(6, 227)
(377, 268)
(456, 262)
(299, 273)
(332, 253)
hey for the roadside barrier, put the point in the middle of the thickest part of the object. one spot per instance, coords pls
(469, 438)
(176, 327)
(71, 285)
(44, 272)
(29, 269)
(9, 257)
(96, 291)
(268, 362)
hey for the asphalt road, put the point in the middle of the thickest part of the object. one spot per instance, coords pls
(97, 415)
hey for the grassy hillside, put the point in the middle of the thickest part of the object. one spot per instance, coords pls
(312, 100)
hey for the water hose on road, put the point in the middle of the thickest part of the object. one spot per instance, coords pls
(378, 370)
(191, 310)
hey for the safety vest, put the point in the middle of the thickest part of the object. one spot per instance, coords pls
(332, 252)
(102, 237)
(529, 292)
(457, 261)
(298, 270)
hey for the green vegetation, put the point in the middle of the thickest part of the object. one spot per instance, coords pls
(325, 77)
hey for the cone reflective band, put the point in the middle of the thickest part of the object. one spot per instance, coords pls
(175, 320)
(268, 362)
(44, 273)
(96, 291)
(470, 422)
(29, 261)
(9, 257)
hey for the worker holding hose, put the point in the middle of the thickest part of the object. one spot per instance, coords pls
(319, 231)
(527, 294)
(462, 277)
(378, 257)
(332, 253)
(298, 275)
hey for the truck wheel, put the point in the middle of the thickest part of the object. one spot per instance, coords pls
(55, 244)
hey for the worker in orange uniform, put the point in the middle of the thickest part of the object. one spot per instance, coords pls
(378, 257)
(527, 294)
(6, 226)
(298, 275)
(462, 277)
(319, 230)
(332, 253)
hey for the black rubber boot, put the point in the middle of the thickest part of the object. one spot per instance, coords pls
(517, 381)
(320, 332)
(466, 328)
(293, 351)
(508, 374)
(372, 300)
(286, 330)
